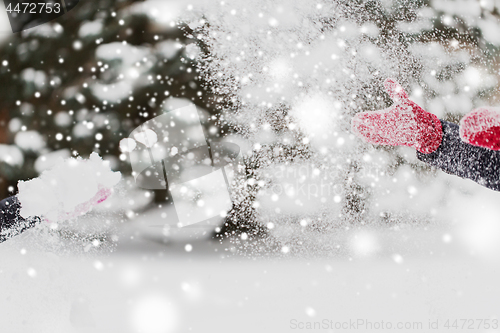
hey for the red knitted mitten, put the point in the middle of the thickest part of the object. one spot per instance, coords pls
(481, 127)
(403, 124)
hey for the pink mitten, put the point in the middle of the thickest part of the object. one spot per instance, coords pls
(83, 208)
(403, 124)
(481, 127)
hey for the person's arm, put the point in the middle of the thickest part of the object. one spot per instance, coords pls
(11, 223)
(459, 158)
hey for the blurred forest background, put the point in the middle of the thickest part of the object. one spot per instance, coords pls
(83, 82)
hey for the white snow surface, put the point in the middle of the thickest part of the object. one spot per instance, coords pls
(68, 189)
(409, 275)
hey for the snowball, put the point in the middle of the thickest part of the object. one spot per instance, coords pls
(71, 188)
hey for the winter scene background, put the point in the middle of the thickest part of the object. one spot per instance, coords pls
(323, 227)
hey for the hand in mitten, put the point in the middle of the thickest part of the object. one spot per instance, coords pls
(481, 127)
(85, 207)
(403, 124)
(68, 190)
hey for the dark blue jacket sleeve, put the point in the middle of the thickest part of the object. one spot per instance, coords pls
(11, 223)
(456, 157)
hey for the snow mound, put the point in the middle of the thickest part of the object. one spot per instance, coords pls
(70, 189)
